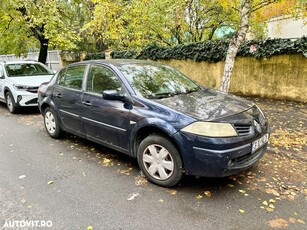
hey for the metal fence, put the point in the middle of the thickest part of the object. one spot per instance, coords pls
(53, 58)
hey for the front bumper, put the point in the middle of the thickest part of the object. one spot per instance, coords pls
(218, 157)
(26, 100)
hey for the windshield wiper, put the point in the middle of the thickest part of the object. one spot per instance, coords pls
(163, 95)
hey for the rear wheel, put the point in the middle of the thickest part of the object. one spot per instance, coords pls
(160, 161)
(10, 103)
(51, 123)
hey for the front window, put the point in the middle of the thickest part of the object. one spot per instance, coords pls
(101, 78)
(157, 81)
(26, 69)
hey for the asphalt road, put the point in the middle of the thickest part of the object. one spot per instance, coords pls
(73, 184)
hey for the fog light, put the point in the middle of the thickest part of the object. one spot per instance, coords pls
(231, 163)
(19, 98)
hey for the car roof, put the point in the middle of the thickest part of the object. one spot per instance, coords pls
(20, 62)
(116, 62)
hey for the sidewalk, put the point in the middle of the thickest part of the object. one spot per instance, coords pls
(282, 171)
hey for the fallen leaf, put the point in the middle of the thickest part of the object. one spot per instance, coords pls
(301, 221)
(242, 191)
(50, 182)
(22, 176)
(89, 227)
(241, 210)
(265, 203)
(208, 193)
(272, 201)
(161, 200)
(230, 185)
(278, 223)
(173, 192)
(199, 197)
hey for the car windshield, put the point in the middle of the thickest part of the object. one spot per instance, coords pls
(157, 81)
(26, 69)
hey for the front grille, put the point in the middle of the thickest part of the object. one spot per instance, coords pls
(247, 159)
(243, 129)
(32, 89)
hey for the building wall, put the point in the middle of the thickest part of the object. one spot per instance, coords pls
(279, 77)
(287, 27)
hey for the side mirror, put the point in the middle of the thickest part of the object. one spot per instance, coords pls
(116, 96)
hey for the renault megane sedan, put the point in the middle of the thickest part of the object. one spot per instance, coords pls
(156, 114)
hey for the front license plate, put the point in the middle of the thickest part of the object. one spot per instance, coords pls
(260, 142)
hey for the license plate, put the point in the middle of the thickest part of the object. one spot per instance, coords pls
(260, 142)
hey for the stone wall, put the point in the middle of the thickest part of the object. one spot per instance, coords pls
(279, 77)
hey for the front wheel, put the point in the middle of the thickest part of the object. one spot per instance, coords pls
(10, 103)
(160, 161)
(51, 123)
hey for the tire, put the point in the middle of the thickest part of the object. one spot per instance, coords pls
(51, 123)
(160, 161)
(10, 103)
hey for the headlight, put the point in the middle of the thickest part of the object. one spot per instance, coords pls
(211, 129)
(21, 87)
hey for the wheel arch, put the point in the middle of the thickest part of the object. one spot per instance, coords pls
(146, 130)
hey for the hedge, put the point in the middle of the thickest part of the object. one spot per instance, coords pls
(215, 50)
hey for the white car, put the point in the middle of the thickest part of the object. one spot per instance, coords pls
(19, 82)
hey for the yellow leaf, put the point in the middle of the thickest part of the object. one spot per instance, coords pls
(161, 200)
(301, 221)
(242, 191)
(265, 203)
(89, 227)
(199, 197)
(230, 185)
(241, 210)
(173, 192)
(50, 182)
(272, 206)
(207, 193)
(272, 201)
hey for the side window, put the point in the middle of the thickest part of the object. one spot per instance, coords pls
(101, 78)
(72, 77)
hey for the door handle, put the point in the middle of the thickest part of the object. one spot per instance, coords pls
(87, 103)
(58, 95)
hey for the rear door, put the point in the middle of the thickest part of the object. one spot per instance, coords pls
(106, 121)
(67, 96)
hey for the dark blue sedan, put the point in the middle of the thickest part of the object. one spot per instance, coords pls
(156, 114)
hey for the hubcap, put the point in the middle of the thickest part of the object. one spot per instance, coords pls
(158, 162)
(9, 102)
(50, 122)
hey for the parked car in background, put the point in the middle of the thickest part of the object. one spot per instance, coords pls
(156, 114)
(19, 82)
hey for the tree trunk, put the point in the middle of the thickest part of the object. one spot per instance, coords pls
(43, 52)
(234, 45)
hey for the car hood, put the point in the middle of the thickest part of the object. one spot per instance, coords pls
(31, 81)
(206, 104)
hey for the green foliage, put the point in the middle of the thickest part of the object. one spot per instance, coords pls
(215, 50)
(29, 24)
(94, 56)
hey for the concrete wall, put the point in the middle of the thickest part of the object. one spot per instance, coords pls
(280, 77)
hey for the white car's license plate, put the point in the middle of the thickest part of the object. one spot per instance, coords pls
(260, 142)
